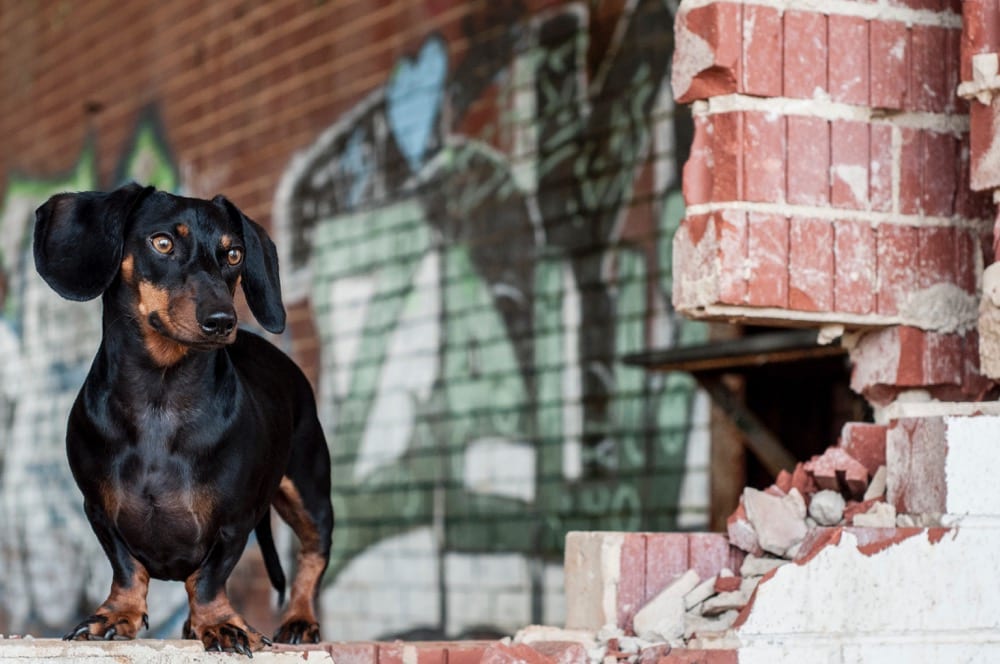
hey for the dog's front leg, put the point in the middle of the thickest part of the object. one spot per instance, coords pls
(212, 619)
(123, 613)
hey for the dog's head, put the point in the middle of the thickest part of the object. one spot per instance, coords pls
(173, 263)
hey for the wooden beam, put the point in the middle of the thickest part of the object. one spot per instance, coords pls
(758, 438)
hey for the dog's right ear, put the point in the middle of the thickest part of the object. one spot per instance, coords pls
(79, 239)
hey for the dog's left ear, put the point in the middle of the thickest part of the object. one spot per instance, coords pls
(79, 237)
(261, 284)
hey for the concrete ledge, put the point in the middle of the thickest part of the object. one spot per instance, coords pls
(140, 651)
(20, 650)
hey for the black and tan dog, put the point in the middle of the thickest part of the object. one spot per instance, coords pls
(186, 430)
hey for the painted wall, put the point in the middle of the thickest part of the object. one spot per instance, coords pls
(471, 238)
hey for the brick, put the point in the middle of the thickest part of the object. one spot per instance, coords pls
(763, 157)
(762, 51)
(632, 579)
(849, 163)
(898, 259)
(767, 250)
(911, 171)
(699, 72)
(805, 54)
(848, 75)
(458, 652)
(561, 652)
(980, 32)
(915, 457)
(355, 653)
(968, 259)
(836, 470)
(928, 75)
(810, 265)
(696, 183)
(808, 181)
(516, 653)
(666, 560)
(889, 64)
(803, 481)
(854, 267)
(710, 553)
(940, 151)
(592, 566)
(728, 584)
(937, 256)
(866, 443)
(733, 232)
(727, 157)
(889, 361)
(880, 168)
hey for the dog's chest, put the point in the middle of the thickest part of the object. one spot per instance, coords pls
(153, 495)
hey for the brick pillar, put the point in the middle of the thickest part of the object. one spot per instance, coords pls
(828, 182)
(981, 86)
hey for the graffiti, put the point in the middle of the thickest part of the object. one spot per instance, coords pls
(51, 565)
(475, 281)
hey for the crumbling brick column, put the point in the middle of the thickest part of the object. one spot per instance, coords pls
(828, 183)
(980, 85)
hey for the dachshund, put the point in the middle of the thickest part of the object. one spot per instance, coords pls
(187, 429)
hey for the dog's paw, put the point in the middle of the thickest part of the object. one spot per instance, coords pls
(109, 625)
(297, 631)
(227, 637)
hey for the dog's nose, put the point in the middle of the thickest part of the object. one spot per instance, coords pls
(219, 323)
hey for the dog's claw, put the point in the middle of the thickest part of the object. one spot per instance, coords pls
(267, 642)
(145, 621)
(110, 634)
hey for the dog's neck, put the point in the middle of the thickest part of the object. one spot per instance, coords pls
(143, 365)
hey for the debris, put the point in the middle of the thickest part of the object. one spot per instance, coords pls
(881, 515)
(779, 522)
(827, 507)
(662, 619)
(759, 566)
(876, 489)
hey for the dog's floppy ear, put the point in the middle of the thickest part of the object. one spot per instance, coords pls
(79, 237)
(261, 284)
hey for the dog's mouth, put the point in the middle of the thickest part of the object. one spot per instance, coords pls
(189, 336)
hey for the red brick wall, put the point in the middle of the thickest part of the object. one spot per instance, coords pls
(829, 182)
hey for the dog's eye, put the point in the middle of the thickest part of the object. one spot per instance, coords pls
(235, 256)
(162, 243)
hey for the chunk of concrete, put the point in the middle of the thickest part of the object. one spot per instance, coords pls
(662, 618)
(827, 507)
(778, 521)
